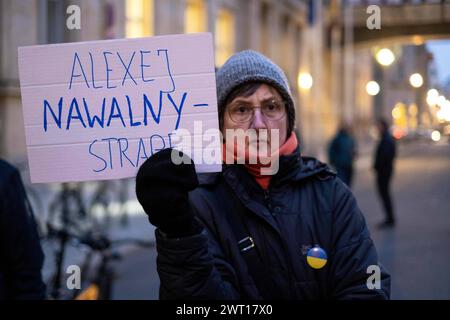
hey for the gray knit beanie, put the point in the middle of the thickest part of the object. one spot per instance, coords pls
(251, 66)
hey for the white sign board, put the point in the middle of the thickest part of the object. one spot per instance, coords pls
(97, 110)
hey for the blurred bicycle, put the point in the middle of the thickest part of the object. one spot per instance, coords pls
(109, 200)
(71, 225)
(97, 269)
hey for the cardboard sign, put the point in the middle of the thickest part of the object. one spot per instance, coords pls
(97, 110)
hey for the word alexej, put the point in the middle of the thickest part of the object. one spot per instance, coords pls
(64, 113)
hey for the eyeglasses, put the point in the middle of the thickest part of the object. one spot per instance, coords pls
(242, 112)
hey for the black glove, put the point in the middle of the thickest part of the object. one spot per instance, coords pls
(162, 189)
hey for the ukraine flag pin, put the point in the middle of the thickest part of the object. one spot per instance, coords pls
(316, 257)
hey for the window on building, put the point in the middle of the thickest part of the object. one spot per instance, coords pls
(139, 18)
(52, 24)
(224, 36)
(286, 62)
(195, 16)
(265, 28)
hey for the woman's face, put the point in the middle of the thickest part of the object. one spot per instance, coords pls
(264, 109)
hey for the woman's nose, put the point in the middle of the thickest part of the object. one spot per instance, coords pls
(258, 121)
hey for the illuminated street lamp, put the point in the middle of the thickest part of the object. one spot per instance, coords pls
(305, 81)
(441, 101)
(416, 80)
(396, 113)
(436, 136)
(433, 93)
(431, 101)
(445, 109)
(432, 97)
(385, 57)
(372, 88)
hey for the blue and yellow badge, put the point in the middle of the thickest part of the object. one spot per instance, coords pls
(316, 257)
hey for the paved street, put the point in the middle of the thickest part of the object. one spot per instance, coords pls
(415, 252)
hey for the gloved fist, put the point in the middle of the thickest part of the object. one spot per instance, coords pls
(162, 189)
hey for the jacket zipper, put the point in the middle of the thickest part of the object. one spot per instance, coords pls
(286, 252)
(267, 201)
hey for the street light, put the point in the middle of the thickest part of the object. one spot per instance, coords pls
(441, 101)
(372, 88)
(416, 80)
(305, 81)
(432, 97)
(436, 136)
(396, 113)
(385, 57)
(433, 93)
(446, 110)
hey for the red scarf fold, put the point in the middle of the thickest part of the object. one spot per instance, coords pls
(287, 148)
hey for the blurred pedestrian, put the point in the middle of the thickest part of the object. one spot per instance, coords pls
(342, 152)
(238, 234)
(21, 256)
(384, 168)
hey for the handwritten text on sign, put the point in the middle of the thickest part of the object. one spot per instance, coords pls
(98, 110)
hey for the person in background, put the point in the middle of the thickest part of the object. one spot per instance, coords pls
(384, 169)
(21, 256)
(342, 152)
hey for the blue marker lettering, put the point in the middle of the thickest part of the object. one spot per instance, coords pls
(91, 121)
(92, 73)
(98, 157)
(151, 143)
(168, 69)
(130, 111)
(178, 109)
(74, 105)
(147, 103)
(141, 144)
(144, 66)
(110, 151)
(127, 69)
(113, 115)
(122, 151)
(107, 70)
(57, 119)
(170, 140)
(77, 59)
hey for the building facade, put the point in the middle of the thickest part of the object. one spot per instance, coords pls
(271, 27)
(312, 38)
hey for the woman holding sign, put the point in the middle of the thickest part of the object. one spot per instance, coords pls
(296, 233)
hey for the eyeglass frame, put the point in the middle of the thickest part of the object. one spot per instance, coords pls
(282, 103)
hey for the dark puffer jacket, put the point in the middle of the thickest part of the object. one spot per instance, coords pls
(305, 206)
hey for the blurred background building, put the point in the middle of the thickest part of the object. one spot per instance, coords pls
(331, 57)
